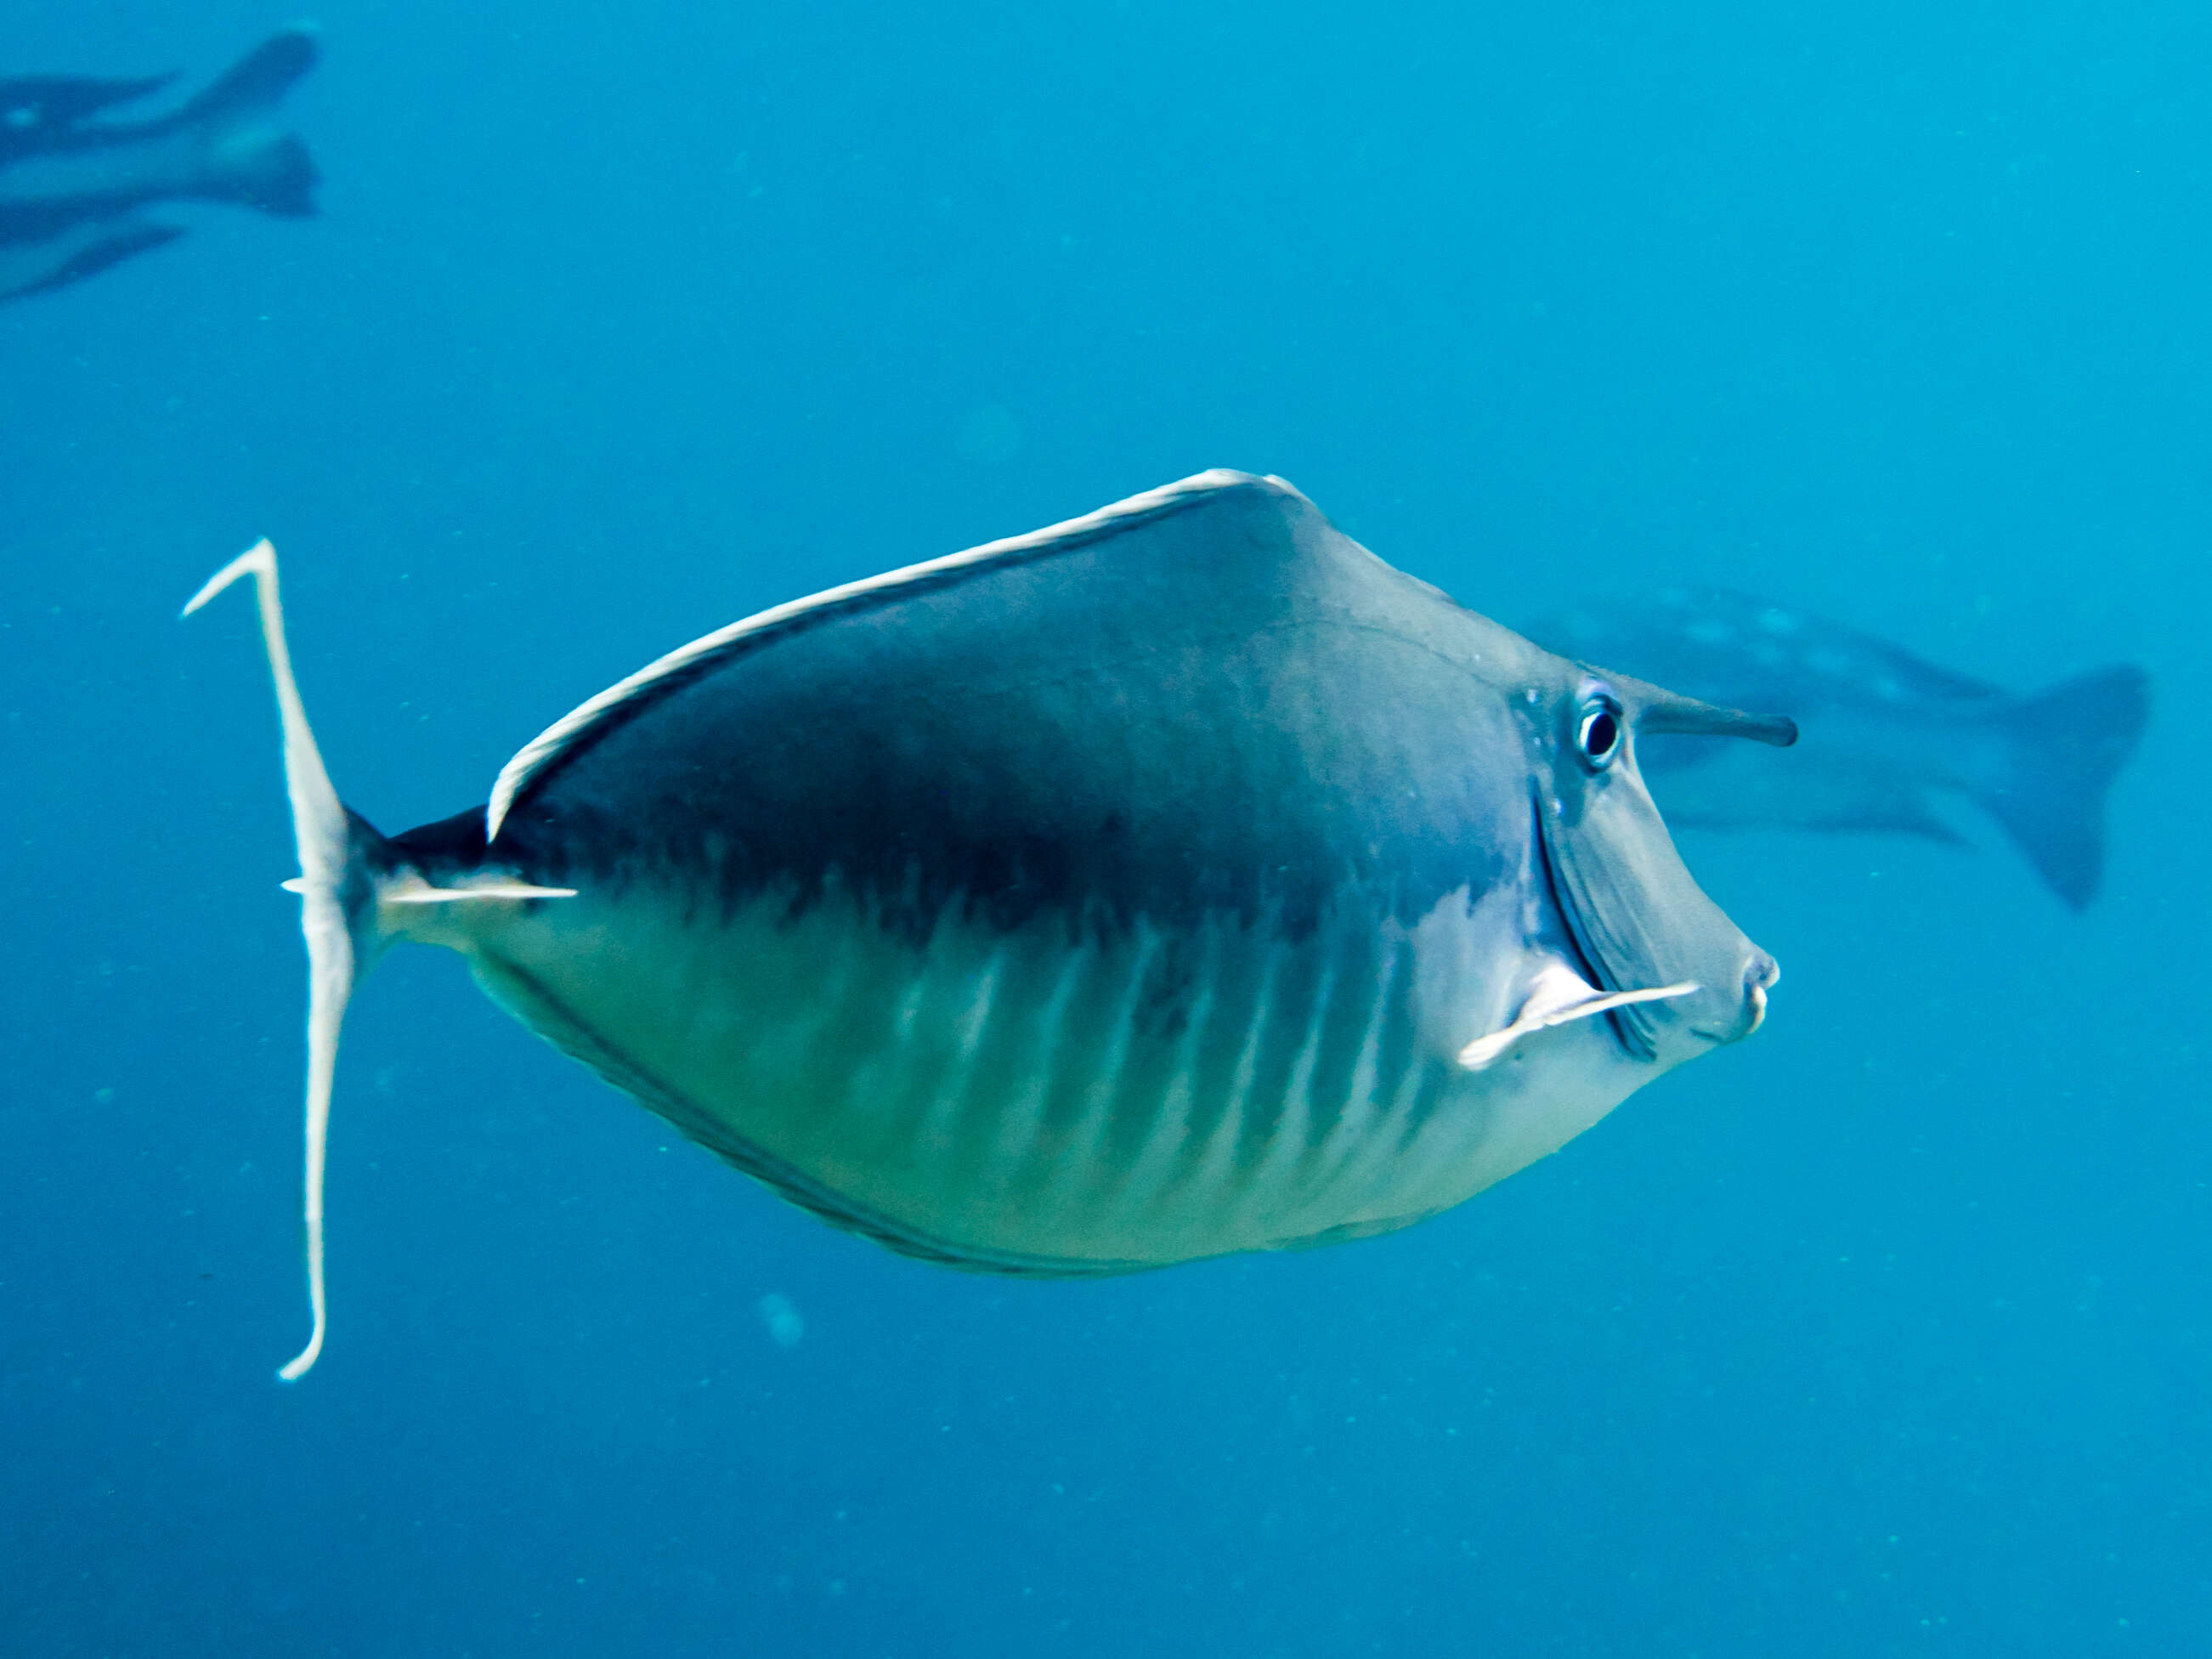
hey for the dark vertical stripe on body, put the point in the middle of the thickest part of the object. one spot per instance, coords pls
(1169, 995)
(1397, 1049)
(1361, 981)
(1432, 1080)
(1300, 983)
(1240, 991)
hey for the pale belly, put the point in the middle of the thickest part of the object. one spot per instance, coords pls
(1030, 1102)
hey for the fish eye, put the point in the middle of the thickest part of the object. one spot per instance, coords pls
(1598, 733)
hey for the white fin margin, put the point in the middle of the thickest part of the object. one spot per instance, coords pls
(1558, 996)
(320, 830)
(411, 889)
(563, 732)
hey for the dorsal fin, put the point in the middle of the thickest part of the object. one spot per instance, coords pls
(577, 726)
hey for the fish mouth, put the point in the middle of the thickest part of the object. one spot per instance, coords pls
(1762, 976)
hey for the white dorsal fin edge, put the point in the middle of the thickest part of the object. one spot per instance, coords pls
(1560, 995)
(320, 828)
(572, 726)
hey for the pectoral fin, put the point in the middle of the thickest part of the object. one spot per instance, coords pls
(1559, 995)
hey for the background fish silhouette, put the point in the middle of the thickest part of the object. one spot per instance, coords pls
(1886, 734)
(71, 185)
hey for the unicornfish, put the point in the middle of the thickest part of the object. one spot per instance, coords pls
(1177, 880)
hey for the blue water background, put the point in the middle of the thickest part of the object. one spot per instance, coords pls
(1885, 1333)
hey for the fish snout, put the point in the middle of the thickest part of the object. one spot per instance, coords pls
(1731, 1004)
(1760, 974)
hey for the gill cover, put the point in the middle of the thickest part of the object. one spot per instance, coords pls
(1638, 916)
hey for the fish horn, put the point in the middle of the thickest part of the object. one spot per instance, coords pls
(1663, 712)
(340, 856)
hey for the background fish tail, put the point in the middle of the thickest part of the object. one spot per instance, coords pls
(253, 85)
(2066, 745)
(275, 175)
(268, 170)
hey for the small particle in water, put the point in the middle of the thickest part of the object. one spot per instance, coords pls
(990, 434)
(785, 1326)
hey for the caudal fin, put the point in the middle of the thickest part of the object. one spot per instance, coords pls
(275, 174)
(2067, 745)
(340, 859)
(352, 886)
(247, 161)
(253, 85)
